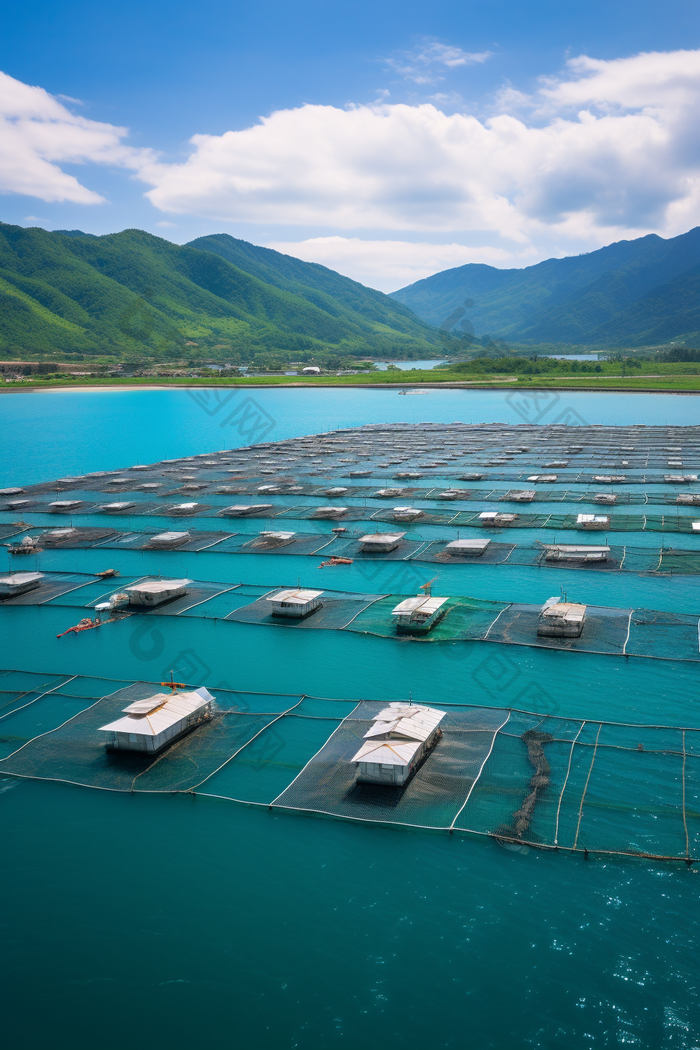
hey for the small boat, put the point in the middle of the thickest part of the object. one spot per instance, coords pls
(107, 572)
(333, 560)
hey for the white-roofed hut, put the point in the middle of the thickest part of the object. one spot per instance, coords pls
(155, 592)
(295, 602)
(149, 725)
(561, 619)
(418, 615)
(398, 743)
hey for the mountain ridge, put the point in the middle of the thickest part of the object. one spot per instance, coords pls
(578, 299)
(132, 292)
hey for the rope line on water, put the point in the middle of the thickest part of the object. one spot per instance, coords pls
(585, 789)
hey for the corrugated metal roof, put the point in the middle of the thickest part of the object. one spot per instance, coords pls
(294, 596)
(426, 606)
(389, 753)
(572, 613)
(156, 586)
(172, 708)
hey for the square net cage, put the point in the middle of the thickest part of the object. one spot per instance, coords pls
(523, 778)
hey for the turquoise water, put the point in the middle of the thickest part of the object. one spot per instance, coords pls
(181, 922)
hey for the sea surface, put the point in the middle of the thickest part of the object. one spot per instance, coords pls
(181, 922)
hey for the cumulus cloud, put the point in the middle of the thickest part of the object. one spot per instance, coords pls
(38, 134)
(609, 150)
(390, 264)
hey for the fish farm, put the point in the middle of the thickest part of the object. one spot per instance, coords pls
(102, 556)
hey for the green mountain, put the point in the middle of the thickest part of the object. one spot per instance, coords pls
(633, 293)
(131, 293)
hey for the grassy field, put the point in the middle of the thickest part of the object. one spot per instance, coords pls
(661, 379)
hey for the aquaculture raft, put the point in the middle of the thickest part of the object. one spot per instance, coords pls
(582, 786)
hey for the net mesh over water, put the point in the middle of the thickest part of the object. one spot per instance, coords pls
(526, 779)
(609, 631)
(660, 561)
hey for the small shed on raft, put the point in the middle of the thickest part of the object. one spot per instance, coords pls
(418, 615)
(19, 583)
(381, 542)
(398, 742)
(148, 725)
(561, 619)
(294, 603)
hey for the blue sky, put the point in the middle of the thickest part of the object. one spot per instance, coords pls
(397, 139)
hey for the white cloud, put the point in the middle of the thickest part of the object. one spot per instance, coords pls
(38, 134)
(611, 151)
(166, 223)
(391, 264)
(426, 63)
(608, 150)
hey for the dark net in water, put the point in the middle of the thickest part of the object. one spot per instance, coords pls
(524, 778)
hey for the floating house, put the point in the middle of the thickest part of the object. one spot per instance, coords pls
(609, 478)
(406, 513)
(451, 494)
(386, 493)
(329, 512)
(381, 542)
(466, 548)
(398, 742)
(11, 492)
(520, 496)
(294, 603)
(418, 615)
(495, 519)
(150, 725)
(680, 479)
(543, 477)
(19, 583)
(241, 510)
(571, 552)
(605, 497)
(561, 619)
(592, 521)
(183, 508)
(156, 592)
(269, 540)
(62, 506)
(688, 498)
(115, 508)
(166, 541)
(337, 491)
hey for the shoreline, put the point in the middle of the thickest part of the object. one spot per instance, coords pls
(508, 384)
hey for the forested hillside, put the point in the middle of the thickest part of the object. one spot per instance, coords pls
(133, 293)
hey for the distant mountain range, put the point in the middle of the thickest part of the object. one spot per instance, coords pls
(71, 292)
(632, 293)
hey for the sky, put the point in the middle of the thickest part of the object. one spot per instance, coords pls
(388, 140)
